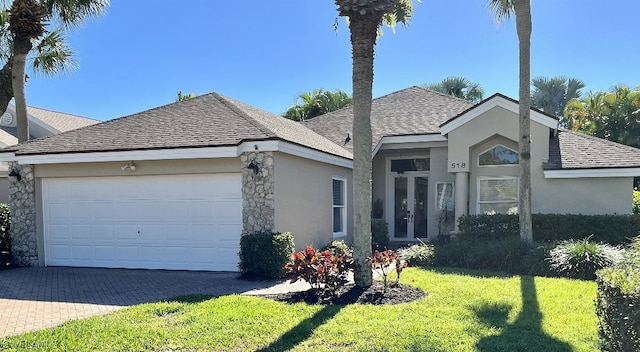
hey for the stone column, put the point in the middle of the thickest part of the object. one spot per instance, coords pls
(22, 204)
(258, 204)
(462, 196)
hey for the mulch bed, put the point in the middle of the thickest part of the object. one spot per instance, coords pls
(349, 294)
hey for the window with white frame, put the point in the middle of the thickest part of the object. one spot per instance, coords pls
(444, 196)
(339, 206)
(498, 195)
(498, 156)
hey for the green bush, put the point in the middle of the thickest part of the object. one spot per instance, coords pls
(420, 254)
(618, 308)
(265, 254)
(582, 258)
(612, 229)
(508, 255)
(5, 226)
(338, 247)
(379, 235)
(636, 201)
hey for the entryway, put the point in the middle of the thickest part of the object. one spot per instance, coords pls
(409, 189)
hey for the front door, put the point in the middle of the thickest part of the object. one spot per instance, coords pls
(410, 205)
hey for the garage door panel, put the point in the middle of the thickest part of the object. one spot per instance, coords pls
(187, 222)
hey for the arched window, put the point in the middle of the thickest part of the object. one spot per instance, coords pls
(497, 156)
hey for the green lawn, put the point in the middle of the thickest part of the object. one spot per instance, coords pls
(464, 311)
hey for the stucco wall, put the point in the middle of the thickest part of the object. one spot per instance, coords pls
(303, 196)
(586, 196)
(4, 189)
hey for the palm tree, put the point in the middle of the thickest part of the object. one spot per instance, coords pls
(521, 9)
(552, 94)
(315, 103)
(182, 97)
(27, 23)
(458, 87)
(365, 18)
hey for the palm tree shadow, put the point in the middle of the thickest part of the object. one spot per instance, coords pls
(303, 330)
(525, 333)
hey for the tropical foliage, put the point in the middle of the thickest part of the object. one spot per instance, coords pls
(552, 94)
(613, 115)
(458, 87)
(28, 22)
(182, 96)
(317, 102)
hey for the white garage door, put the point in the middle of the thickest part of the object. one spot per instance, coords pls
(189, 222)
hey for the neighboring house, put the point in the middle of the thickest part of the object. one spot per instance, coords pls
(42, 123)
(175, 187)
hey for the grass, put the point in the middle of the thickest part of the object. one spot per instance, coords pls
(464, 311)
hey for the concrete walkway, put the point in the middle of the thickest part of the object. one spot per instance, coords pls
(38, 298)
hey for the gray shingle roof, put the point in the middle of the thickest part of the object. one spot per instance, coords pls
(209, 120)
(573, 150)
(60, 121)
(410, 111)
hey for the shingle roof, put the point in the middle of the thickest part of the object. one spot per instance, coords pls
(8, 135)
(60, 121)
(410, 111)
(209, 120)
(572, 150)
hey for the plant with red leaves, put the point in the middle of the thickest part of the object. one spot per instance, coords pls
(322, 270)
(384, 262)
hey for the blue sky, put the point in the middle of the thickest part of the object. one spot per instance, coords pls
(264, 53)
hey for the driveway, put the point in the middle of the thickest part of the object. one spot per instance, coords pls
(38, 298)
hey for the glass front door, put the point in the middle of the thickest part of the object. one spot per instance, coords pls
(410, 194)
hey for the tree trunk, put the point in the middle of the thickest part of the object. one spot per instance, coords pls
(21, 46)
(523, 26)
(6, 89)
(363, 39)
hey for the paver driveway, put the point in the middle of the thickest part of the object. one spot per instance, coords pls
(37, 298)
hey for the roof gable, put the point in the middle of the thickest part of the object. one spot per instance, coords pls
(408, 112)
(496, 100)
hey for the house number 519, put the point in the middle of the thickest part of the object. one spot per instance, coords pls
(458, 165)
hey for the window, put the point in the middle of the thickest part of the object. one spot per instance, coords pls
(339, 206)
(444, 196)
(498, 195)
(498, 155)
(404, 165)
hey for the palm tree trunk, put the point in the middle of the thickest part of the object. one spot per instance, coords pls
(363, 40)
(523, 26)
(21, 46)
(6, 89)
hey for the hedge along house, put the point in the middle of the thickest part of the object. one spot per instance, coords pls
(175, 187)
(434, 155)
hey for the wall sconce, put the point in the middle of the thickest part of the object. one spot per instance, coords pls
(129, 167)
(16, 174)
(254, 167)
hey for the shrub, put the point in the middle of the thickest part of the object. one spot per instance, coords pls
(419, 254)
(379, 235)
(5, 226)
(506, 255)
(582, 258)
(338, 247)
(384, 262)
(265, 254)
(612, 229)
(618, 308)
(322, 270)
(636, 201)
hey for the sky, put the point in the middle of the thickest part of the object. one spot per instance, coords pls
(264, 53)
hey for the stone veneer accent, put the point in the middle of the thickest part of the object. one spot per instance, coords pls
(258, 204)
(22, 205)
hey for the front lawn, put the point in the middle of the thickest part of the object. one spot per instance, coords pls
(464, 311)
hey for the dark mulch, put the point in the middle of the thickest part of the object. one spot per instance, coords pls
(349, 294)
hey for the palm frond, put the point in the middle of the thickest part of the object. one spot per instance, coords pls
(53, 55)
(72, 13)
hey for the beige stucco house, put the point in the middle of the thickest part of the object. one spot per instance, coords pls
(176, 186)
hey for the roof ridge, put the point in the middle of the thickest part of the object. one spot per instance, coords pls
(444, 95)
(233, 107)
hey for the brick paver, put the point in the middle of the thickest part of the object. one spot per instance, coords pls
(38, 298)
